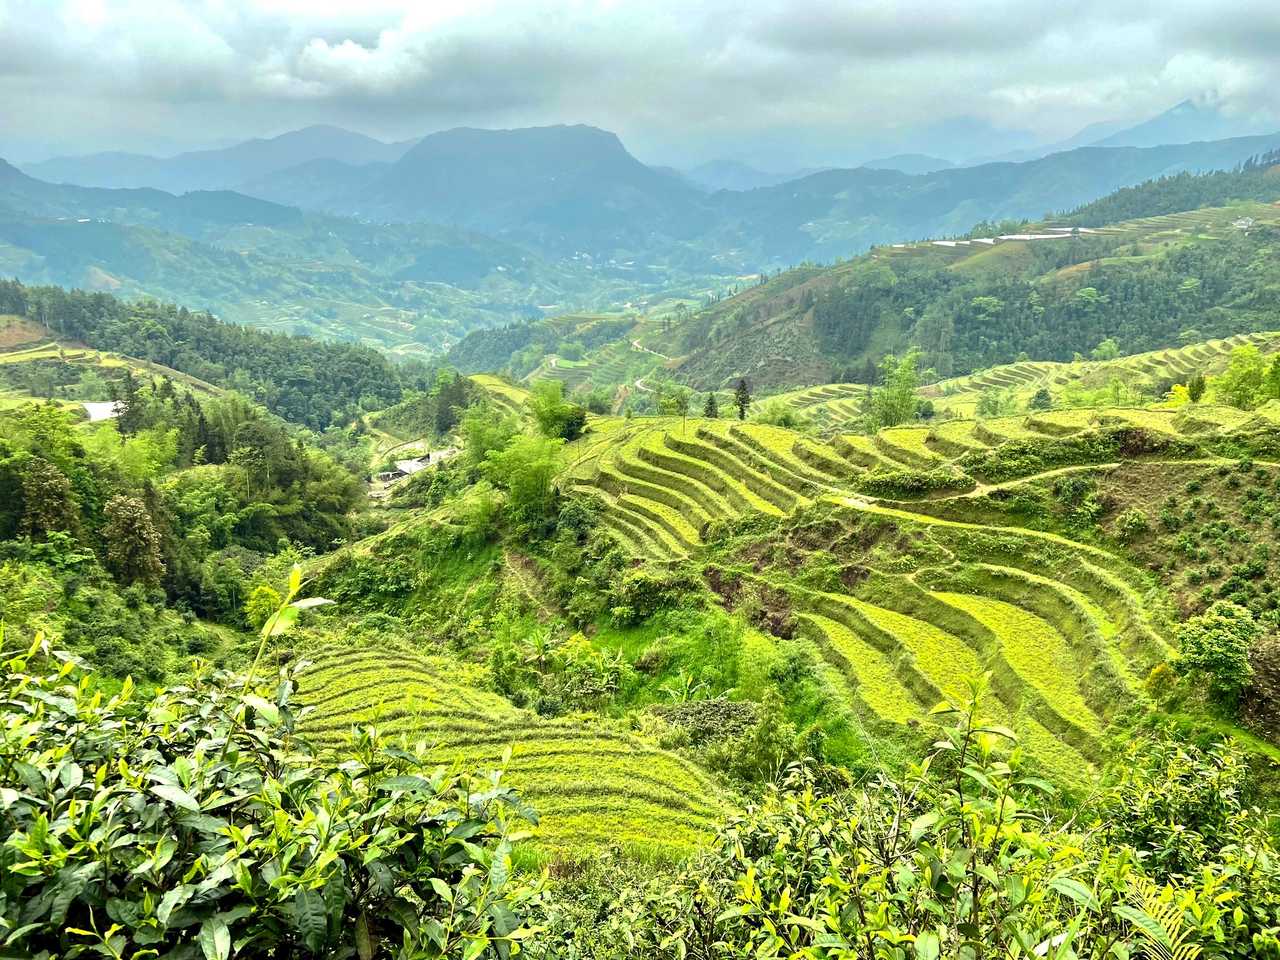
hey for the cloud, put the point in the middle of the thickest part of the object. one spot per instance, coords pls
(787, 82)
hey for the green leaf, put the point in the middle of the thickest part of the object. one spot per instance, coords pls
(177, 796)
(215, 939)
(1144, 922)
(1075, 890)
(310, 918)
(173, 899)
(407, 782)
(265, 709)
(71, 775)
(364, 942)
(927, 946)
(282, 621)
(921, 824)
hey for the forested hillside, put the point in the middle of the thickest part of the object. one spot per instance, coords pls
(1143, 284)
(417, 286)
(306, 381)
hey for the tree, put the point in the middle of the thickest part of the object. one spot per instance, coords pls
(483, 431)
(995, 403)
(1241, 383)
(262, 602)
(133, 543)
(48, 501)
(554, 415)
(1108, 349)
(711, 409)
(525, 468)
(1042, 399)
(1215, 646)
(1271, 383)
(1196, 387)
(742, 399)
(129, 411)
(895, 400)
(778, 412)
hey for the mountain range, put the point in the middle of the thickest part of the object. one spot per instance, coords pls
(468, 228)
(220, 169)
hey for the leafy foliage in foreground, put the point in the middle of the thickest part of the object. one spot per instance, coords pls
(195, 824)
(963, 859)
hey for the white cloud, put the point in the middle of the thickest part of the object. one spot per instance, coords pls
(678, 80)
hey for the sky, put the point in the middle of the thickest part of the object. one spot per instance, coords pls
(783, 85)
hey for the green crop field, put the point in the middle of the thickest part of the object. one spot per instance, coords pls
(591, 783)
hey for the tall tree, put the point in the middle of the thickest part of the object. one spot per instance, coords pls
(742, 399)
(48, 501)
(895, 401)
(133, 543)
(711, 409)
(1196, 387)
(129, 410)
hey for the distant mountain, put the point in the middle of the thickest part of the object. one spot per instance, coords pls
(323, 184)
(914, 163)
(415, 286)
(736, 175)
(839, 212)
(1187, 122)
(562, 189)
(1087, 136)
(219, 169)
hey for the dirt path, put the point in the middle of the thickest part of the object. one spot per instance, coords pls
(637, 345)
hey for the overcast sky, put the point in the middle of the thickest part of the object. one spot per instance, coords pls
(782, 84)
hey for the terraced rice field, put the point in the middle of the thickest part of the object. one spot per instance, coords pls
(591, 784)
(510, 399)
(1061, 626)
(960, 394)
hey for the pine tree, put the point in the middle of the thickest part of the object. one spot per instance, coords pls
(742, 399)
(48, 501)
(129, 406)
(1196, 387)
(711, 409)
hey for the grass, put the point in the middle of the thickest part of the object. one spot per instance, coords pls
(868, 671)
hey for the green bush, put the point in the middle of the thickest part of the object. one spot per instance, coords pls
(1215, 645)
(914, 484)
(195, 822)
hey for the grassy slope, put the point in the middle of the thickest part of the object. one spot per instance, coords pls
(1063, 618)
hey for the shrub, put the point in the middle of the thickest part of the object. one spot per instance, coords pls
(913, 484)
(959, 860)
(1215, 645)
(196, 822)
(1132, 524)
(643, 592)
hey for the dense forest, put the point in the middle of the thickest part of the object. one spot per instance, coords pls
(178, 506)
(1255, 179)
(302, 380)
